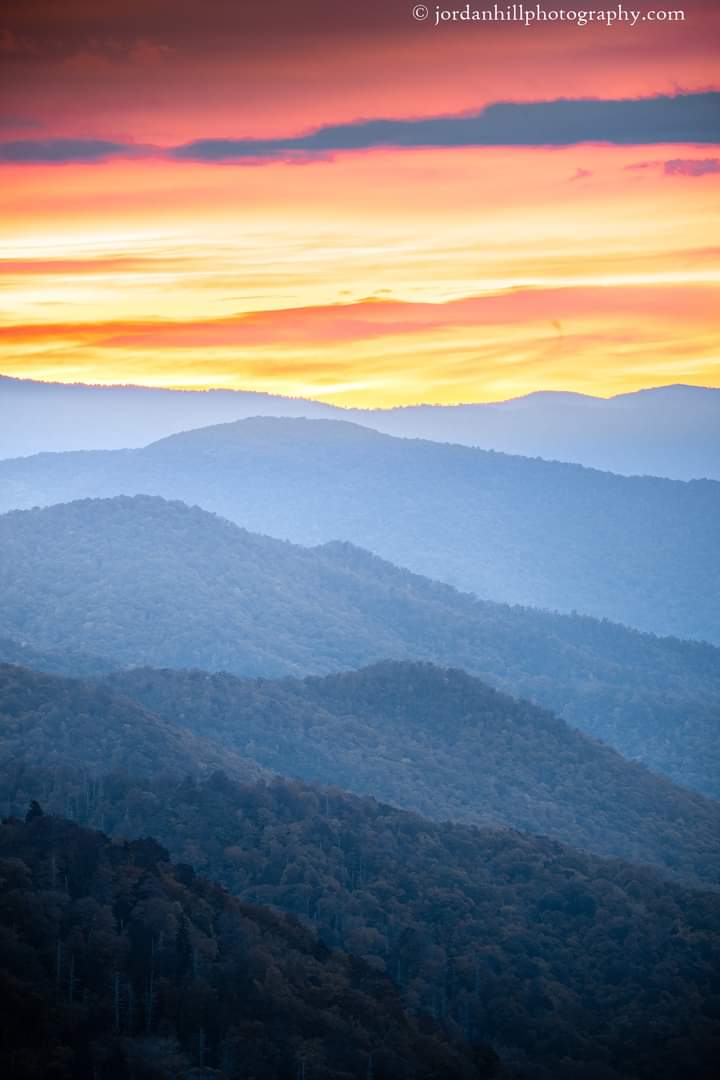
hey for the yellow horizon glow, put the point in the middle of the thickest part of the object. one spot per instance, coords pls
(377, 279)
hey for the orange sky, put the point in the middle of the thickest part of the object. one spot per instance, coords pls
(380, 275)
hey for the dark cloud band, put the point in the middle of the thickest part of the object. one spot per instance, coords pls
(65, 151)
(684, 118)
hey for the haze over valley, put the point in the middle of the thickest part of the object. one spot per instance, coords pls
(359, 542)
(506, 528)
(669, 431)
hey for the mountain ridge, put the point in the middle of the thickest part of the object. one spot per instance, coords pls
(222, 598)
(631, 436)
(54, 722)
(440, 742)
(640, 551)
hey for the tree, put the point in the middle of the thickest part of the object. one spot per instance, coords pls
(35, 811)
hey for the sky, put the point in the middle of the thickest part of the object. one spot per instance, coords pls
(343, 201)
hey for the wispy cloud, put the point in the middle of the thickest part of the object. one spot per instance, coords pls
(680, 166)
(581, 338)
(373, 318)
(691, 167)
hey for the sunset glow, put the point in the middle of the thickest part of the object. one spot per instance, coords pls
(377, 275)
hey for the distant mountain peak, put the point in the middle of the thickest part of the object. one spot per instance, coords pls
(669, 390)
(667, 431)
(301, 428)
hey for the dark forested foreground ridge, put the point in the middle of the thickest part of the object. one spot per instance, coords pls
(669, 431)
(143, 581)
(641, 551)
(446, 745)
(572, 967)
(116, 964)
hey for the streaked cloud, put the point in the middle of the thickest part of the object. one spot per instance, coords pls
(680, 166)
(691, 167)
(606, 337)
(378, 317)
(464, 225)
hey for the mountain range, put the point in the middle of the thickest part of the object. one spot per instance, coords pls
(167, 673)
(446, 745)
(140, 581)
(669, 431)
(639, 551)
(424, 738)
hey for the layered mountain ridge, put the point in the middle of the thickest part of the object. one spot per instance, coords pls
(640, 551)
(140, 581)
(667, 431)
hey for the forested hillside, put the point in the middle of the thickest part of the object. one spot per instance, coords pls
(117, 964)
(446, 745)
(142, 581)
(53, 722)
(573, 967)
(426, 739)
(637, 550)
(53, 661)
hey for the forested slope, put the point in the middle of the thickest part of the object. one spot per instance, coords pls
(53, 661)
(143, 581)
(574, 968)
(638, 550)
(446, 745)
(117, 964)
(54, 722)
